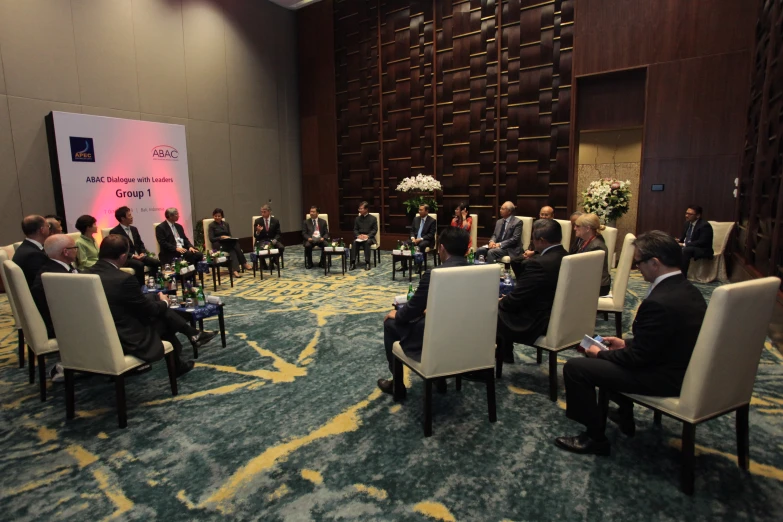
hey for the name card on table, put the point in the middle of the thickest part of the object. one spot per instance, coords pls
(221, 259)
(339, 249)
(183, 271)
(407, 252)
(329, 249)
(191, 268)
(274, 251)
(396, 252)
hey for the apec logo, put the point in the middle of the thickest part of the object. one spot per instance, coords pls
(165, 153)
(82, 149)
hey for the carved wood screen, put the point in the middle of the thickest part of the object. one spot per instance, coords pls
(760, 198)
(494, 127)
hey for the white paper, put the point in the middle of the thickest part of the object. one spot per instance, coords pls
(360, 240)
(588, 341)
(221, 260)
(274, 251)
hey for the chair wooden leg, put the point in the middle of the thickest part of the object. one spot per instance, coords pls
(172, 369)
(122, 408)
(657, 416)
(553, 376)
(20, 333)
(743, 441)
(618, 324)
(603, 407)
(42, 376)
(539, 355)
(70, 395)
(399, 385)
(606, 316)
(491, 406)
(427, 407)
(31, 364)
(688, 457)
(459, 383)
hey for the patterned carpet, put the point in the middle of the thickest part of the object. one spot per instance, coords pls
(286, 423)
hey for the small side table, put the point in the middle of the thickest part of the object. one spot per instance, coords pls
(274, 259)
(200, 313)
(406, 260)
(329, 252)
(215, 267)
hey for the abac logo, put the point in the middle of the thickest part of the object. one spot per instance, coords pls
(165, 153)
(82, 149)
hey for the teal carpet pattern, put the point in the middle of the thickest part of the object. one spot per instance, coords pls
(286, 423)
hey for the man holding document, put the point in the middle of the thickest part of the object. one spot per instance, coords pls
(654, 362)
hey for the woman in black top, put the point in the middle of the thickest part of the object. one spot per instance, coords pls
(220, 235)
(588, 228)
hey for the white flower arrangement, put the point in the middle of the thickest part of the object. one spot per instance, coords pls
(420, 183)
(607, 198)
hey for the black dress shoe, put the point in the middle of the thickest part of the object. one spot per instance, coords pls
(202, 339)
(508, 358)
(583, 445)
(321, 263)
(353, 266)
(185, 368)
(386, 386)
(367, 266)
(624, 422)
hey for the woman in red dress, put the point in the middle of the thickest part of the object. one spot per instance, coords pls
(462, 219)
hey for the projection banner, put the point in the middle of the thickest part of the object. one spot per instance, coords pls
(100, 164)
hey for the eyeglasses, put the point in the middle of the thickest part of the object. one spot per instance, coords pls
(643, 260)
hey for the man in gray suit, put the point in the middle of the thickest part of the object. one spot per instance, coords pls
(506, 239)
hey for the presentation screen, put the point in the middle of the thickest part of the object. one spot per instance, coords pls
(100, 164)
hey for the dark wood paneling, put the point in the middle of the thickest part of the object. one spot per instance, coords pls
(620, 34)
(611, 100)
(317, 107)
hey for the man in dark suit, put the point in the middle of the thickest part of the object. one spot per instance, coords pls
(364, 229)
(407, 324)
(138, 256)
(546, 212)
(173, 241)
(30, 255)
(61, 250)
(267, 230)
(423, 229)
(141, 320)
(507, 237)
(315, 232)
(523, 314)
(654, 362)
(696, 239)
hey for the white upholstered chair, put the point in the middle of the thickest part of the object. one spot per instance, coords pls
(96, 349)
(615, 303)
(325, 217)
(157, 245)
(74, 235)
(474, 231)
(527, 234)
(38, 343)
(17, 322)
(708, 270)
(568, 229)
(205, 227)
(455, 347)
(376, 248)
(16, 245)
(253, 237)
(434, 248)
(722, 369)
(573, 310)
(105, 232)
(610, 238)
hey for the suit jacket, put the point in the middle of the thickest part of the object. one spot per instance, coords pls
(525, 311)
(168, 243)
(428, 232)
(308, 229)
(37, 290)
(701, 237)
(512, 236)
(267, 234)
(665, 330)
(214, 232)
(410, 318)
(137, 245)
(366, 225)
(30, 259)
(134, 313)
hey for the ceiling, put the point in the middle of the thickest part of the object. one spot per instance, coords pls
(293, 4)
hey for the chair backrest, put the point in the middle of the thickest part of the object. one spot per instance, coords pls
(567, 227)
(620, 282)
(105, 232)
(610, 238)
(16, 245)
(380, 226)
(253, 225)
(205, 226)
(157, 245)
(3, 259)
(576, 298)
(96, 348)
(723, 366)
(449, 345)
(474, 231)
(32, 322)
(74, 235)
(527, 231)
(325, 217)
(721, 231)
(9, 250)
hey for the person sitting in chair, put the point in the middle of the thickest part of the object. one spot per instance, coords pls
(588, 229)
(30, 255)
(696, 239)
(507, 237)
(139, 256)
(423, 229)
(315, 232)
(220, 236)
(266, 229)
(173, 241)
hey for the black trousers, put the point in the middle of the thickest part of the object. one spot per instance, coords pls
(355, 251)
(689, 253)
(237, 258)
(310, 245)
(168, 327)
(138, 266)
(275, 244)
(423, 245)
(583, 375)
(391, 334)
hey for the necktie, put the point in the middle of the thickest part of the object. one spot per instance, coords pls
(688, 235)
(421, 227)
(502, 231)
(267, 224)
(315, 225)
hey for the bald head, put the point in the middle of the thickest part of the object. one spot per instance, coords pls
(35, 227)
(60, 247)
(546, 212)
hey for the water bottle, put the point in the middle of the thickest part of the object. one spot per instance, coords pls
(200, 297)
(481, 260)
(410, 291)
(507, 277)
